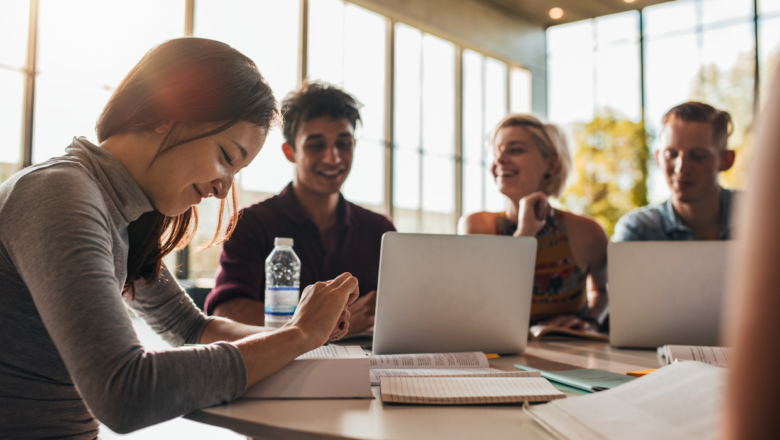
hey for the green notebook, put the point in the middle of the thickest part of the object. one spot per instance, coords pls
(583, 379)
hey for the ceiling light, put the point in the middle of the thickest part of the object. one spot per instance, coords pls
(556, 13)
(629, 1)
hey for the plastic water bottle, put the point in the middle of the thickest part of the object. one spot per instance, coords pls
(282, 283)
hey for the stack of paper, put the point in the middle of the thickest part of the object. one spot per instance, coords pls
(680, 401)
(717, 356)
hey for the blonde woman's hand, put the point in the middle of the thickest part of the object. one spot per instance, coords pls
(569, 321)
(322, 311)
(532, 214)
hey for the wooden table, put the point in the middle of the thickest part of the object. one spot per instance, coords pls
(372, 419)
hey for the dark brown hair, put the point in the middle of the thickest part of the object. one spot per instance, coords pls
(693, 111)
(314, 100)
(187, 82)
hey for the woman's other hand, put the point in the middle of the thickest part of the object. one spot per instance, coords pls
(322, 312)
(532, 214)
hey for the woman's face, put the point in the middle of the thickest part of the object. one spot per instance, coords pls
(184, 175)
(519, 167)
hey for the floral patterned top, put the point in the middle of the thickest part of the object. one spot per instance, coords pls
(559, 284)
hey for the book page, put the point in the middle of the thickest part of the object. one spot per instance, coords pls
(680, 401)
(334, 351)
(539, 331)
(467, 390)
(430, 360)
(376, 374)
(717, 356)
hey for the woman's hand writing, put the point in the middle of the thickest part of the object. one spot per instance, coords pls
(322, 311)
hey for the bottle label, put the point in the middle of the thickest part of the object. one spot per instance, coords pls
(281, 301)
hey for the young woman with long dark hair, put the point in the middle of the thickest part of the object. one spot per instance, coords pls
(80, 232)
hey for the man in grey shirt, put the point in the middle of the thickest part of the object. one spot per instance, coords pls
(694, 151)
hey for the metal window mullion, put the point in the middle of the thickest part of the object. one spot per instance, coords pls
(483, 131)
(30, 73)
(421, 153)
(303, 42)
(595, 70)
(189, 18)
(182, 269)
(458, 134)
(757, 65)
(389, 117)
(642, 95)
(508, 91)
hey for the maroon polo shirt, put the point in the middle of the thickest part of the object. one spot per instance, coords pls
(354, 246)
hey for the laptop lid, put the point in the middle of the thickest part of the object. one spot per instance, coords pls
(666, 292)
(450, 293)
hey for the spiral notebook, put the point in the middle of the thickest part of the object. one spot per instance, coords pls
(468, 390)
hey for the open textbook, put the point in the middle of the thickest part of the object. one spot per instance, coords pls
(717, 356)
(330, 372)
(433, 364)
(679, 401)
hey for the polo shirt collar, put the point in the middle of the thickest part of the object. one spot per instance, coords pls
(293, 209)
(673, 221)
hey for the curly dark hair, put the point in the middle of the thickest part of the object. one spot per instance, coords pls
(314, 100)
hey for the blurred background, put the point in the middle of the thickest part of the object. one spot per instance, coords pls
(434, 77)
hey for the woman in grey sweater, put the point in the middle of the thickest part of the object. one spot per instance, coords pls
(82, 232)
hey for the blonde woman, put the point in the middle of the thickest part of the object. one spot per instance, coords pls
(531, 164)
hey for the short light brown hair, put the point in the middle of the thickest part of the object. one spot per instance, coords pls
(692, 111)
(551, 143)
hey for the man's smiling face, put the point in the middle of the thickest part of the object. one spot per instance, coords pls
(323, 153)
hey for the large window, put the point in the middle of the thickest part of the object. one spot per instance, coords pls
(424, 132)
(693, 50)
(484, 105)
(84, 51)
(346, 47)
(768, 42)
(267, 32)
(709, 56)
(13, 61)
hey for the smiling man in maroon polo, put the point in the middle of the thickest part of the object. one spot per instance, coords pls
(331, 235)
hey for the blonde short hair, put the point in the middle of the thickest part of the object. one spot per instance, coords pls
(551, 143)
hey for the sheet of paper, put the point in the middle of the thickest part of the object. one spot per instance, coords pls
(430, 360)
(334, 351)
(467, 390)
(717, 356)
(376, 374)
(680, 401)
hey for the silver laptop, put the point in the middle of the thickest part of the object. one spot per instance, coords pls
(449, 293)
(666, 292)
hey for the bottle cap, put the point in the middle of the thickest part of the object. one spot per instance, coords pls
(280, 241)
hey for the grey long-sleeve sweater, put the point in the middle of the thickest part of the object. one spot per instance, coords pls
(68, 351)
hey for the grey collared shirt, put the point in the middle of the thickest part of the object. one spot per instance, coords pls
(660, 222)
